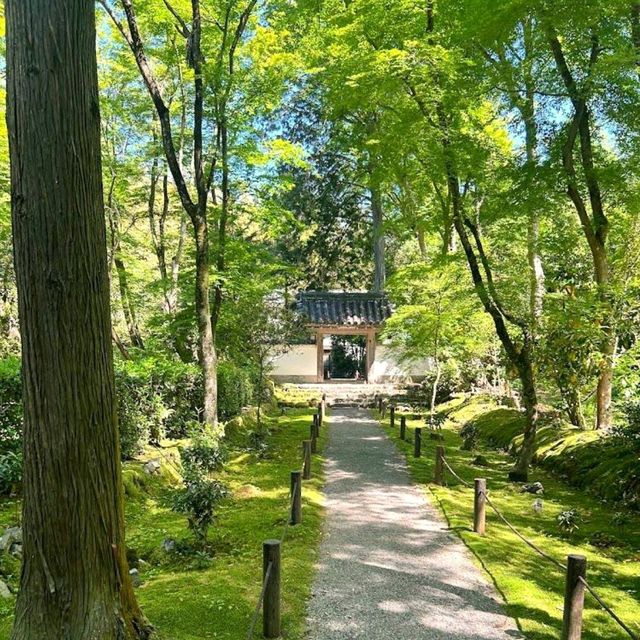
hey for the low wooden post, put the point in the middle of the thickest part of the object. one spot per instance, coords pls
(296, 497)
(439, 470)
(392, 416)
(313, 433)
(323, 408)
(380, 404)
(479, 505)
(417, 442)
(315, 418)
(384, 409)
(320, 412)
(306, 452)
(403, 427)
(574, 598)
(271, 603)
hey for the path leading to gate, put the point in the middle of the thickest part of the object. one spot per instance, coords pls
(389, 569)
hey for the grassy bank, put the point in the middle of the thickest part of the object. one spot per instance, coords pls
(193, 597)
(532, 587)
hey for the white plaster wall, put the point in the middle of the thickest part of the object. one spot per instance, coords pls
(299, 360)
(387, 367)
(299, 363)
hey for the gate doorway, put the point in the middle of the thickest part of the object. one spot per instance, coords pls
(346, 357)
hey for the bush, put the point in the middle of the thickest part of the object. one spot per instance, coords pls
(235, 390)
(198, 501)
(10, 425)
(204, 455)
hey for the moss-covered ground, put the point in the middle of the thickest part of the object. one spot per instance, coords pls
(191, 596)
(532, 587)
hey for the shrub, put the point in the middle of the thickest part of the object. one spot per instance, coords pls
(198, 501)
(204, 455)
(10, 405)
(568, 520)
(235, 390)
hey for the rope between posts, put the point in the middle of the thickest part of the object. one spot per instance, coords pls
(545, 555)
(454, 474)
(256, 612)
(537, 549)
(607, 608)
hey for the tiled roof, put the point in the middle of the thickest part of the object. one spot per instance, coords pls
(343, 308)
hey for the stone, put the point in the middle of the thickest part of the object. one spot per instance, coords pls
(152, 467)
(10, 537)
(537, 505)
(534, 488)
(5, 593)
(135, 577)
(169, 545)
(16, 550)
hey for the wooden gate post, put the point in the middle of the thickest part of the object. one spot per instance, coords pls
(392, 416)
(479, 505)
(306, 452)
(271, 603)
(403, 426)
(417, 442)
(439, 470)
(574, 598)
(296, 497)
(313, 433)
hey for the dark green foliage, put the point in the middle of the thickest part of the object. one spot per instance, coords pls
(235, 390)
(157, 397)
(198, 501)
(10, 425)
(200, 495)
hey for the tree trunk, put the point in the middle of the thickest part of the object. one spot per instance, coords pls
(434, 392)
(379, 276)
(206, 346)
(128, 308)
(573, 404)
(604, 416)
(520, 472)
(75, 580)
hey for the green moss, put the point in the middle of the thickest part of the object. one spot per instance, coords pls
(533, 589)
(589, 460)
(189, 598)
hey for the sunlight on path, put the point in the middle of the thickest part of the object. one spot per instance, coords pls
(389, 569)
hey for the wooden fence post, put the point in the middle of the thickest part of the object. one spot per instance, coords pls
(403, 426)
(380, 403)
(271, 604)
(439, 470)
(320, 413)
(306, 452)
(417, 442)
(323, 408)
(479, 505)
(296, 497)
(574, 598)
(313, 433)
(392, 416)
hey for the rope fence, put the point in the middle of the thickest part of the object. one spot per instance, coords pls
(575, 569)
(270, 598)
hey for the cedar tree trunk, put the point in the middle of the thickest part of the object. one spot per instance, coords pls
(75, 581)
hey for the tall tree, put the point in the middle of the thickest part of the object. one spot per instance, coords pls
(213, 81)
(75, 581)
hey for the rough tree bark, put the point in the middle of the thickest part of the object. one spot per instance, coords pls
(75, 581)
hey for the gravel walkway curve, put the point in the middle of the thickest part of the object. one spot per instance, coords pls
(389, 569)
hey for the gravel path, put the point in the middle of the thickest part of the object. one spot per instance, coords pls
(389, 568)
